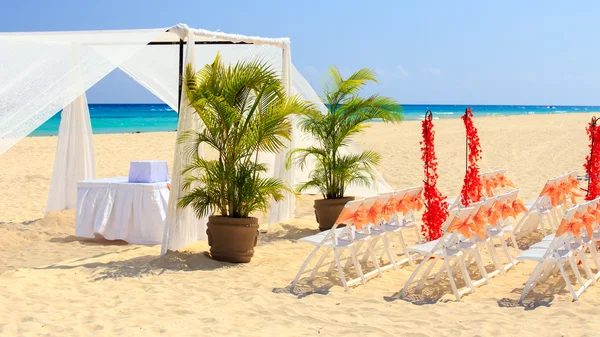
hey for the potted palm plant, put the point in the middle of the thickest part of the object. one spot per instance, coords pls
(336, 168)
(243, 110)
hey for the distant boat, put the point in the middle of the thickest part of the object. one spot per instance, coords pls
(551, 107)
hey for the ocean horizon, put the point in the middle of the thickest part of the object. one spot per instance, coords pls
(132, 118)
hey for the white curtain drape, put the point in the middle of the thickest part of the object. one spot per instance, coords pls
(285, 209)
(74, 159)
(37, 72)
(182, 227)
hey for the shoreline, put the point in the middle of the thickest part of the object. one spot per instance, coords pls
(436, 120)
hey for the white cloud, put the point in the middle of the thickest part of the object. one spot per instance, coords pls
(435, 71)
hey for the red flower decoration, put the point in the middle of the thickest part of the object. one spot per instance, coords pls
(592, 161)
(471, 191)
(436, 208)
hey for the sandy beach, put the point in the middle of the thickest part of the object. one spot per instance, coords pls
(53, 283)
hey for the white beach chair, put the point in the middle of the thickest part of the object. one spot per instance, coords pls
(386, 227)
(542, 213)
(406, 220)
(482, 215)
(564, 250)
(490, 175)
(587, 242)
(338, 241)
(456, 203)
(502, 231)
(591, 241)
(446, 249)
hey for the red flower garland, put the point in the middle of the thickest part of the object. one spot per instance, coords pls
(592, 161)
(436, 210)
(471, 190)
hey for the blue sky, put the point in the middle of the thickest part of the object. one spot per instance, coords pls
(475, 52)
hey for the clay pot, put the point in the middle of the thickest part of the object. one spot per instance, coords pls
(328, 210)
(232, 239)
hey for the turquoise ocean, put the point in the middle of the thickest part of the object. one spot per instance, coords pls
(129, 118)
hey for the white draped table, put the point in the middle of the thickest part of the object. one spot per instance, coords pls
(119, 210)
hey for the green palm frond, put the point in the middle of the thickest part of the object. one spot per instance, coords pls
(347, 116)
(243, 110)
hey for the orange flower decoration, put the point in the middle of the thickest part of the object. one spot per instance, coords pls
(389, 209)
(552, 191)
(403, 205)
(506, 210)
(489, 184)
(588, 222)
(493, 215)
(358, 218)
(572, 226)
(417, 203)
(502, 181)
(462, 227)
(595, 212)
(374, 213)
(573, 182)
(480, 218)
(573, 185)
(518, 207)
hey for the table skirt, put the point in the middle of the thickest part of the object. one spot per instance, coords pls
(119, 210)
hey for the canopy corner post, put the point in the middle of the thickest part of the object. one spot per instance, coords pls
(180, 76)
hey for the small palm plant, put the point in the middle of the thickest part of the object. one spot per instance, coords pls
(243, 110)
(347, 116)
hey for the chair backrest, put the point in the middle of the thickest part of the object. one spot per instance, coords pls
(589, 209)
(489, 202)
(564, 234)
(487, 176)
(462, 214)
(372, 209)
(544, 201)
(399, 196)
(493, 174)
(415, 194)
(386, 207)
(450, 238)
(348, 214)
(507, 199)
(414, 191)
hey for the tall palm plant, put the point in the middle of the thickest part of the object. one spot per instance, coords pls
(243, 110)
(347, 116)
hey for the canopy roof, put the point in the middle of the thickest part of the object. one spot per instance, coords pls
(44, 71)
(161, 35)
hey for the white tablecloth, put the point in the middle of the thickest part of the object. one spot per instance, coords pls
(119, 210)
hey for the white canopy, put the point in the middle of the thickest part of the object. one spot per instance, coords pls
(43, 72)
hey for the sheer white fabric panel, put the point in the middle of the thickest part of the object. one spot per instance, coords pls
(156, 67)
(74, 159)
(37, 70)
(283, 210)
(182, 227)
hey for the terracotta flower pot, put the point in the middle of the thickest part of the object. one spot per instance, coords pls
(328, 210)
(232, 239)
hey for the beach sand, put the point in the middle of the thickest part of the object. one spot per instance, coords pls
(53, 283)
